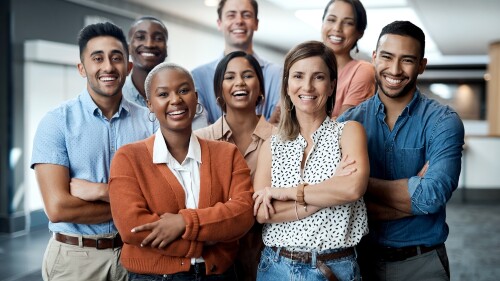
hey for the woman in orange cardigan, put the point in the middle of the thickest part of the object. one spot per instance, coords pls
(180, 203)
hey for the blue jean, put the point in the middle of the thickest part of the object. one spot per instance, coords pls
(197, 275)
(274, 267)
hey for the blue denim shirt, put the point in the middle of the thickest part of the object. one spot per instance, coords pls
(78, 136)
(204, 81)
(425, 131)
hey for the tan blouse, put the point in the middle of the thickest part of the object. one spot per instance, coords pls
(220, 131)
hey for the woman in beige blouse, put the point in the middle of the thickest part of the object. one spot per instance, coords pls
(239, 88)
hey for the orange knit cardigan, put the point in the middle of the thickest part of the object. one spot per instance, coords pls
(141, 191)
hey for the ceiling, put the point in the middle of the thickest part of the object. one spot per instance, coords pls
(457, 31)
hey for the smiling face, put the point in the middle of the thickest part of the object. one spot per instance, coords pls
(309, 86)
(148, 44)
(240, 87)
(339, 28)
(397, 64)
(238, 23)
(173, 100)
(105, 65)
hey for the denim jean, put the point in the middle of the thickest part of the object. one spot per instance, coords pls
(198, 275)
(274, 267)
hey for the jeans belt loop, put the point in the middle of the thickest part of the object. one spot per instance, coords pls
(80, 241)
(313, 259)
(277, 256)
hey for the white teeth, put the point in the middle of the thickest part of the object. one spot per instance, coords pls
(335, 38)
(238, 31)
(148, 54)
(107, 79)
(392, 81)
(239, 93)
(177, 112)
(307, 97)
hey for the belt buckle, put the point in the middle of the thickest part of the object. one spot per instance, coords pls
(97, 240)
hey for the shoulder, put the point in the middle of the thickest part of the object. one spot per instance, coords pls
(264, 129)
(439, 114)
(358, 112)
(364, 68)
(205, 68)
(217, 148)
(205, 133)
(137, 149)
(211, 132)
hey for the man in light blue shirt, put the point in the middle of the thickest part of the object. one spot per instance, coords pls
(72, 152)
(237, 20)
(415, 149)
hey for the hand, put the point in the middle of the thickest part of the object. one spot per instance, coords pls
(265, 197)
(424, 170)
(88, 191)
(164, 231)
(345, 168)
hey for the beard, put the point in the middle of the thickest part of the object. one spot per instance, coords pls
(405, 91)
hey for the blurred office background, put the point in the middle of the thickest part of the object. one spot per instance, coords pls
(38, 57)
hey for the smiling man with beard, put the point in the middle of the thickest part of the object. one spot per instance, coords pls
(415, 149)
(148, 38)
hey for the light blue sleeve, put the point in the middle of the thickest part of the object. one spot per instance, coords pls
(49, 144)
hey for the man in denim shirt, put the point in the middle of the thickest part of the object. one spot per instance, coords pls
(415, 148)
(72, 151)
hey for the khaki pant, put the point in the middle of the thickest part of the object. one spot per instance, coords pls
(67, 262)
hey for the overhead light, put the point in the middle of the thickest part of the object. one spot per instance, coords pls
(211, 3)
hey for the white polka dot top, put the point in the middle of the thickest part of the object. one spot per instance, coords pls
(330, 228)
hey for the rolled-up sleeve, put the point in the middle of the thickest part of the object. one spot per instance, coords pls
(430, 193)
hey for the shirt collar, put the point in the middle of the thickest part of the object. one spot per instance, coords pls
(379, 106)
(223, 131)
(89, 105)
(162, 155)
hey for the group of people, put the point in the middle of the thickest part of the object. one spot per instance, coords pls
(352, 183)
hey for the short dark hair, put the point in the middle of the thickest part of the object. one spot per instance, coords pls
(405, 28)
(101, 29)
(254, 3)
(149, 18)
(359, 15)
(221, 70)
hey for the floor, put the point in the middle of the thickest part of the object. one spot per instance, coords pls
(473, 246)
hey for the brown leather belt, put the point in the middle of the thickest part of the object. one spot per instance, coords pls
(401, 254)
(306, 257)
(98, 243)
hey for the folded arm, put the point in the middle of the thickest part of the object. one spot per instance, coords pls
(60, 204)
(344, 187)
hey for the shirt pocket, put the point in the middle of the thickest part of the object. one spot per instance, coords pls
(409, 161)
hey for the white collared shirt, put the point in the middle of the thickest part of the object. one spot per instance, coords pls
(187, 172)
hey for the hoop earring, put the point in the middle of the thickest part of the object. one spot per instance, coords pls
(151, 119)
(260, 99)
(199, 109)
